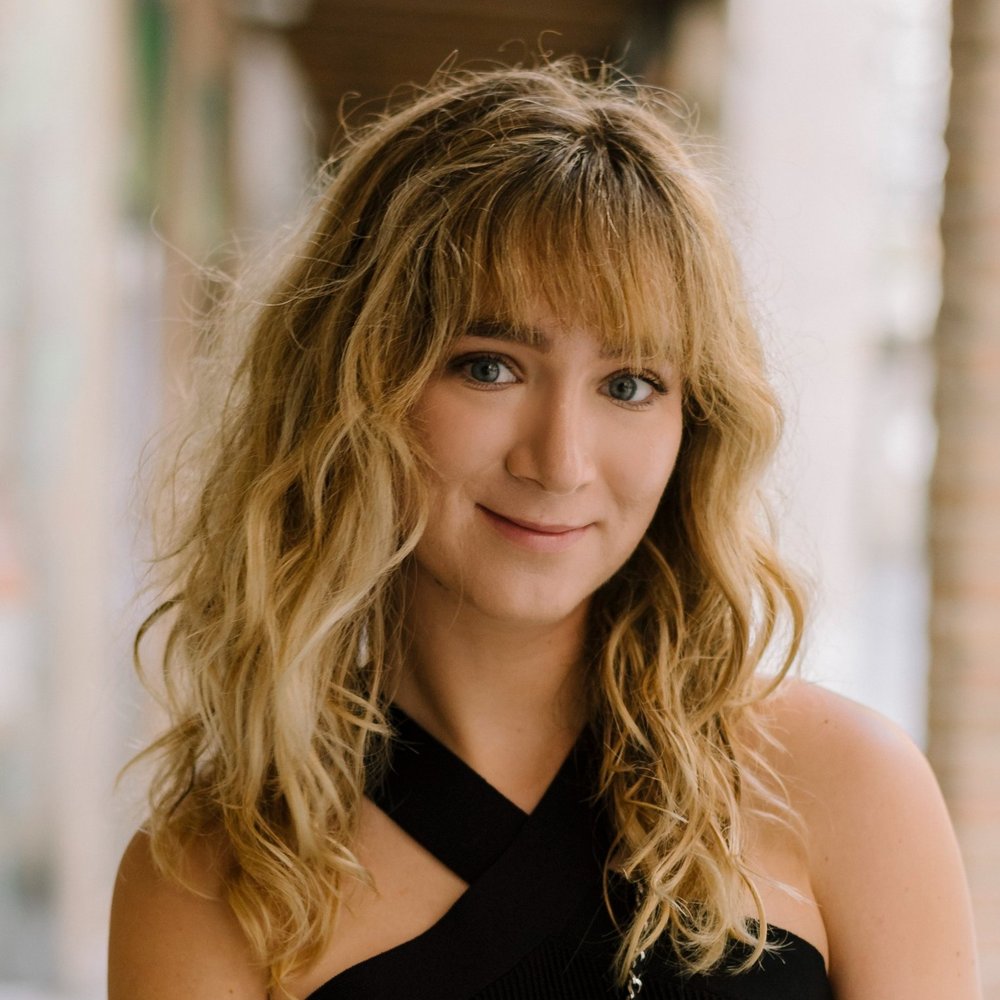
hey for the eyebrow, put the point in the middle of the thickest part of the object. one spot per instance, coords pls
(517, 333)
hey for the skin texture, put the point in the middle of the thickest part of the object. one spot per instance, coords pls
(545, 442)
(533, 431)
(883, 861)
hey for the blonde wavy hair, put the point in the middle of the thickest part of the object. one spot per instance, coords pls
(283, 597)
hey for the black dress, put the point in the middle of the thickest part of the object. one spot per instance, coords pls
(533, 924)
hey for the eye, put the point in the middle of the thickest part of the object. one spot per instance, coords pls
(631, 388)
(484, 369)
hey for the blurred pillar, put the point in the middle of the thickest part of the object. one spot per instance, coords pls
(798, 121)
(964, 722)
(71, 311)
(194, 204)
(275, 129)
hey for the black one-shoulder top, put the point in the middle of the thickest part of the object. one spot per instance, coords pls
(533, 924)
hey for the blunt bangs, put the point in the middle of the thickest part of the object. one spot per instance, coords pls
(581, 244)
(528, 193)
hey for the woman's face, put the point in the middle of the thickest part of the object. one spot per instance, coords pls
(548, 462)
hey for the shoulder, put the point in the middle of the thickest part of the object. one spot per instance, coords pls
(171, 941)
(832, 748)
(882, 855)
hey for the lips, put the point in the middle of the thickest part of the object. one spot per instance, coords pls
(541, 537)
(540, 528)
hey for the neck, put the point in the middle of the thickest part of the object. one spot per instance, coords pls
(508, 698)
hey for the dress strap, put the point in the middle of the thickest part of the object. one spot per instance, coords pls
(442, 803)
(547, 874)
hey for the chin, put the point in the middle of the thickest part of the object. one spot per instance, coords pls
(533, 616)
(534, 603)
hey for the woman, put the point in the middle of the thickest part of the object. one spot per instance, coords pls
(469, 614)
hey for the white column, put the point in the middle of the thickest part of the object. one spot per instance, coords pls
(798, 122)
(71, 90)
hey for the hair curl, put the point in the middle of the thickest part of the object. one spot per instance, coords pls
(283, 594)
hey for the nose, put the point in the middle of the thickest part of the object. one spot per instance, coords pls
(552, 447)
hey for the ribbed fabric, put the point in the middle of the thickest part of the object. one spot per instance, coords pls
(532, 925)
(577, 964)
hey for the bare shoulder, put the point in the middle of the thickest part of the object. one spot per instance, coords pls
(883, 858)
(170, 941)
(828, 744)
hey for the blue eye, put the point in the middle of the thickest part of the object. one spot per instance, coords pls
(485, 369)
(628, 388)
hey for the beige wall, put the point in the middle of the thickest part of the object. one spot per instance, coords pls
(832, 118)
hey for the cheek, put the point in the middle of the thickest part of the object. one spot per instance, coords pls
(459, 440)
(640, 470)
(439, 432)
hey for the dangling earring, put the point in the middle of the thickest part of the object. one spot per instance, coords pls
(634, 982)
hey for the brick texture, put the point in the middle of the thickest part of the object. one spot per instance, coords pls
(964, 691)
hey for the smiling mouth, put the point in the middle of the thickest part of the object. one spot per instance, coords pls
(539, 529)
(533, 535)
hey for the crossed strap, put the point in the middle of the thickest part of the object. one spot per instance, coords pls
(528, 873)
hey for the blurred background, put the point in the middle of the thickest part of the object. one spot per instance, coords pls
(143, 139)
